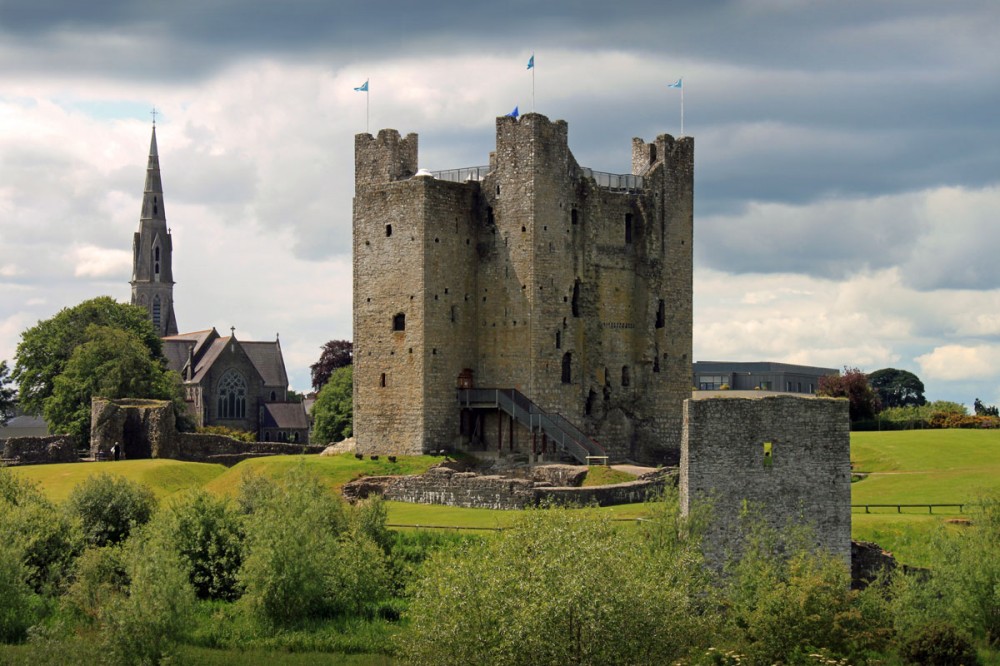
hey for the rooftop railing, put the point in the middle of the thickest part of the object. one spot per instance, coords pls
(616, 182)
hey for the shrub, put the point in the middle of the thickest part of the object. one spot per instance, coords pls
(99, 579)
(558, 587)
(938, 644)
(233, 433)
(303, 561)
(110, 507)
(45, 538)
(17, 603)
(146, 626)
(207, 534)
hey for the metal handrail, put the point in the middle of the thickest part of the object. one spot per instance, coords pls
(619, 182)
(526, 412)
(463, 174)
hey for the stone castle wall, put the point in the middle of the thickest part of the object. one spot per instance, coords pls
(537, 278)
(788, 457)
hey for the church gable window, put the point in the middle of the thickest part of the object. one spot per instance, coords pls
(232, 400)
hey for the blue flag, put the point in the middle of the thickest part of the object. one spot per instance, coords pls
(531, 61)
(676, 84)
(363, 87)
(513, 114)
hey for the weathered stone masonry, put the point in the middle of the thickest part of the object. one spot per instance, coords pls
(788, 456)
(571, 286)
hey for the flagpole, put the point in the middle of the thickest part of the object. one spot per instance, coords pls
(682, 110)
(368, 111)
(532, 83)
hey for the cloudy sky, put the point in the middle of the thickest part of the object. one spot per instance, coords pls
(847, 164)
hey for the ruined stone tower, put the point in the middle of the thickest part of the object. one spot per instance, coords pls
(568, 289)
(152, 274)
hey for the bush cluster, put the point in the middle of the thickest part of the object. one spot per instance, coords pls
(286, 561)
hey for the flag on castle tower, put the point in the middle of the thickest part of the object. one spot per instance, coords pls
(531, 61)
(513, 114)
(679, 83)
(363, 87)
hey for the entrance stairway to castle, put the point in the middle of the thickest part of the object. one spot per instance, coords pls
(564, 436)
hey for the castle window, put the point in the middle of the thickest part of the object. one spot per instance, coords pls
(558, 339)
(232, 398)
(567, 368)
(628, 228)
(576, 298)
(574, 216)
(656, 363)
(381, 381)
(588, 408)
(661, 314)
(399, 322)
(454, 313)
(388, 230)
(156, 312)
(626, 376)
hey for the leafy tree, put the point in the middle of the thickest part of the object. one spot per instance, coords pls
(333, 412)
(46, 347)
(110, 363)
(897, 388)
(110, 507)
(6, 395)
(852, 384)
(336, 354)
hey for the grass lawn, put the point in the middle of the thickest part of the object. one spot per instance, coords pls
(164, 477)
(919, 466)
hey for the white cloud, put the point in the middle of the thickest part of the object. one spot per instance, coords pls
(953, 362)
(93, 261)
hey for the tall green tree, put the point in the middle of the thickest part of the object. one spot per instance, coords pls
(46, 347)
(110, 363)
(852, 384)
(7, 394)
(333, 412)
(897, 388)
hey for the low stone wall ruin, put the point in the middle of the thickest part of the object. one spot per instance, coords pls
(37, 450)
(442, 485)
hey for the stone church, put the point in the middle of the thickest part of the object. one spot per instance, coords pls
(228, 382)
(530, 305)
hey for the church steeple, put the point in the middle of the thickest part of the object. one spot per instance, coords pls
(152, 250)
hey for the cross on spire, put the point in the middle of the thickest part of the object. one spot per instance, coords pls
(153, 113)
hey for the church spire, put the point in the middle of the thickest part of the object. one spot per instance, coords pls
(152, 197)
(152, 252)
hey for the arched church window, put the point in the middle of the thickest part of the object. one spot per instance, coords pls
(232, 396)
(156, 312)
(156, 253)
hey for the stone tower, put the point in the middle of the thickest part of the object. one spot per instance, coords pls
(152, 273)
(533, 275)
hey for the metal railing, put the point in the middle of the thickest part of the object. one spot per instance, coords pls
(462, 175)
(899, 507)
(617, 182)
(562, 433)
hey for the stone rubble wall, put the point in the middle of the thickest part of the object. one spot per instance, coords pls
(37, 450)
(441, 485)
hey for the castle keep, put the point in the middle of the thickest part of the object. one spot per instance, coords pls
(564, 291)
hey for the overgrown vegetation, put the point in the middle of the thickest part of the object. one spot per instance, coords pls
(283, 565)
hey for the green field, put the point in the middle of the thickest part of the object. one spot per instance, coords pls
(914, 467)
